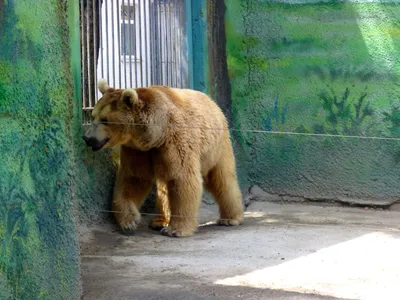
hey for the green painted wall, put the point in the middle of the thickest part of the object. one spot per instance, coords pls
(39, 252)
(200, 45)
(316, 68)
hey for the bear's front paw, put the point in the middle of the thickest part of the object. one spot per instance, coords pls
(175, 233)
(130, 223)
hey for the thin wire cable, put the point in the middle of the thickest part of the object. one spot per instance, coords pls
(112, 211)
(187, 217)
(89, 123)
(260, 131)
(155, 215)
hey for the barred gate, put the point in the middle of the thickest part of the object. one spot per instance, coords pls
(132, 43)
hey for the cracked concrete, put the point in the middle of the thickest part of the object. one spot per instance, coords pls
(287, 251)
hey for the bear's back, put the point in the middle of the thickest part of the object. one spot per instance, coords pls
(200, 109)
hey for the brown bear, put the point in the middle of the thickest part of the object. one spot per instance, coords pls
(177, 139)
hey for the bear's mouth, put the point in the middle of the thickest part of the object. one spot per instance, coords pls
(100, 145)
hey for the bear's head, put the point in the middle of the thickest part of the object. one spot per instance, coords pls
(135, 118)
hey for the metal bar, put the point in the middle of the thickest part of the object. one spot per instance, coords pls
(155, 69)
(83, 56)
(101, 56)
(180, 42)
(178, 50)
(166, 43)
(161, 45)
(153, 38)
(135, 44)
(175, 50)
(119, 44)
(140, 42)
(112, 35)
(129, 43)
(124, 54)
(88, 54)
(108, 51)
(151, 43)
(145, 43)
(95, 51)
(156, 58)
(170, 42)
(189, 39)
(174, 73)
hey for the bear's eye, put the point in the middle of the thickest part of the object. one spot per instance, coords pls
(103, 121)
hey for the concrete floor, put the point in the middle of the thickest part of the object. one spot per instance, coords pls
(282, 252)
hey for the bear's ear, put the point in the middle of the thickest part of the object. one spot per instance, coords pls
(130, 98)
(103, 86)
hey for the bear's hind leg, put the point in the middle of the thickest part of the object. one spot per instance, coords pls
(163, 209)
(223, 185)
(129, 195)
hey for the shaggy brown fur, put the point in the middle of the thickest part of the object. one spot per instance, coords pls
(179, 146)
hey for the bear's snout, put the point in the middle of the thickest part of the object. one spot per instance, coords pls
(94, 143)
(87, 140)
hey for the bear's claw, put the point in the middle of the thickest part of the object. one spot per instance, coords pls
(167, 232)
(229, 222)
(132, 225)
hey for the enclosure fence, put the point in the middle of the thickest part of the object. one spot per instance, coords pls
(131, 44)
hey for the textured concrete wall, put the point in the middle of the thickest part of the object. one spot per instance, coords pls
(39, 253)
(316, 68)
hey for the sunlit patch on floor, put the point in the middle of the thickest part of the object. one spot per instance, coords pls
(254, 214)
(207, 223)
(365, 268)
(269, 220)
